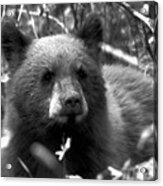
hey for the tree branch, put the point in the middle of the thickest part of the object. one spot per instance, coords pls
(32, 22)
(147, 45)
(3, 11)
(20, 12)
(132, 60)
(145, 20)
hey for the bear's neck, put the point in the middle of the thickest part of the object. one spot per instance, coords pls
(89, 153)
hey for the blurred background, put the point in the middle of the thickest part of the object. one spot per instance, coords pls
(130, 29)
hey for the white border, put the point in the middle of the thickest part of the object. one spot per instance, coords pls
(43, 182)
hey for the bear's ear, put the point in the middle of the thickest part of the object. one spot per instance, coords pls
(91, 33)
(14, 44)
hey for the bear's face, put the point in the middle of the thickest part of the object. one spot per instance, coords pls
(50, 83)
(57, 81)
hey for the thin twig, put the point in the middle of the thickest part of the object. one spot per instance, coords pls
(74, 12)
(24, 166)
(92, 7)
(20, 12)
(151, 53)
(3, 11)
(33, 27)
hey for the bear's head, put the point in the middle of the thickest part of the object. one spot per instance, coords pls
(55, 80)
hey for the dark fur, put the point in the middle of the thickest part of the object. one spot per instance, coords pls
(106, 137)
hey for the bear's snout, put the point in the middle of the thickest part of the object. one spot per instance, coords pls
(73, 104)
(67, 100)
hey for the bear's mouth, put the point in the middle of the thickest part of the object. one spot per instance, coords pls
(69, 119)
(66, 121)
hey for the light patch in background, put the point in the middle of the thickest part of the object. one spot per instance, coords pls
(6, 138)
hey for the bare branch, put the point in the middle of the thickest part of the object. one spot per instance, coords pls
(146, 20)
(119, 54)
(20, 12)
(3, 11)
(74, 12)
(92, 7)
(147, 45)
(32, 22)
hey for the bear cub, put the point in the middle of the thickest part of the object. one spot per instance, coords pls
(58, 90)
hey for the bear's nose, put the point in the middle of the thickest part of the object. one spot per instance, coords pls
(73, 104)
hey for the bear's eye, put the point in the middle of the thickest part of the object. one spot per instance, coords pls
(47, 77)
(82, 73)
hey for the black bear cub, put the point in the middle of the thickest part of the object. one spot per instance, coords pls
(58, 91)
